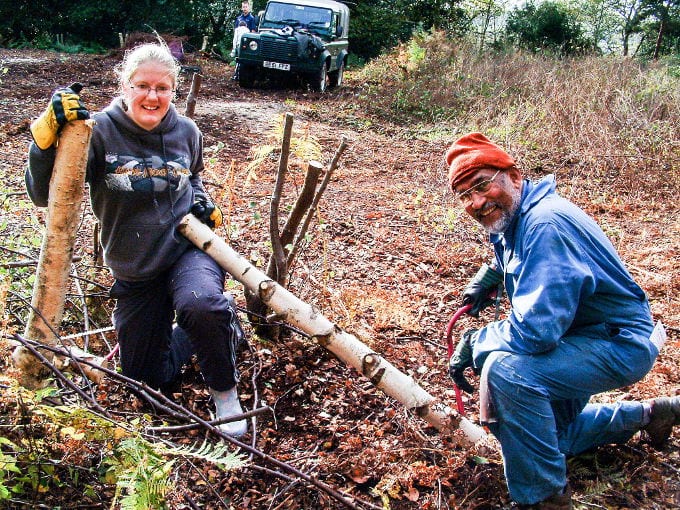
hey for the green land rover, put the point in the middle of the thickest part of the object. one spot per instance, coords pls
(305, 38)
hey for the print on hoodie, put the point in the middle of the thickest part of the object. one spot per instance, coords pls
(130, 173)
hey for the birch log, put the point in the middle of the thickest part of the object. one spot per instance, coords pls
(342, 344)
(56, 253)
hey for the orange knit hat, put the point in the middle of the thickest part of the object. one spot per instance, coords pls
(472, 152)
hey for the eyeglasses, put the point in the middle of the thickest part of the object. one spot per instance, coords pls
(144, 90)
(481, 188)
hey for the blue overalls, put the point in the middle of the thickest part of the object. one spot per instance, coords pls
(579, 325)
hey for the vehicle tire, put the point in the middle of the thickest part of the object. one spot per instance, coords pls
(246, 77)
(337, 77)
(319, 80)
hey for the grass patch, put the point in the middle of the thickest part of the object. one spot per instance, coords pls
(591, 115)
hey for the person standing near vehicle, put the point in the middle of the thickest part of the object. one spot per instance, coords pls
(579, 326)
(247, 20)
(238, 32)
(247, 17)
(143, 172)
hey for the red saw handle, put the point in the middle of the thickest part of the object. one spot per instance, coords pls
(460, 407)
(449, 328)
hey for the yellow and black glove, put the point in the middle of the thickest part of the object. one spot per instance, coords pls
(207, 212)
(65, 106)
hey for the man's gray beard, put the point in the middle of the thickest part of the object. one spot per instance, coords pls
(501, 224)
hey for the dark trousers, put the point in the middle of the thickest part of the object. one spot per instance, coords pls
(191, 292)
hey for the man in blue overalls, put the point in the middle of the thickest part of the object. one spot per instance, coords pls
(579, 325)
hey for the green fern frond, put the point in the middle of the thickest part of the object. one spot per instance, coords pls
(217, 454)
(142, 475)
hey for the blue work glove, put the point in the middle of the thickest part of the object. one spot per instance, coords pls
(65, 106)
(462, 359)
(207, 212)
(477, 293)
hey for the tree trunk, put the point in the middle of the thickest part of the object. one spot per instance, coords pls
(287, 243)
(315, 202)
(342, 344)
(659, 39)
(256, 308)
(278, 251)
(56, 253)
(303, 203)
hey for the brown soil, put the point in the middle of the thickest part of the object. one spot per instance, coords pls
(386, 261)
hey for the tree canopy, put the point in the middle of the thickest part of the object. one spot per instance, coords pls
(647, 28)
(549, 25)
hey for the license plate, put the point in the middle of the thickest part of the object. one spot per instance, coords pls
(276, 65)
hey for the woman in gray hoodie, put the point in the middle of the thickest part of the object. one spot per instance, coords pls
(143, 173)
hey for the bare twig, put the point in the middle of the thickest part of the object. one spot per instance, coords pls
(86, 373)
(200, 473)
(257, 368)
(192, 426)
(86, 313)
(315, 203)
(31, 262)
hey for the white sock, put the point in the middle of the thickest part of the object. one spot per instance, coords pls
(646, 413)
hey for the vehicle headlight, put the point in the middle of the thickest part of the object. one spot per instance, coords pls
(252, 45)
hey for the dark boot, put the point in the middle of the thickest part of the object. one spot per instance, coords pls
(555, 502)
(664, 414)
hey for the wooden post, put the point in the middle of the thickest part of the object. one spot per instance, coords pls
(344, 345)
(56, 253)
(193, 94)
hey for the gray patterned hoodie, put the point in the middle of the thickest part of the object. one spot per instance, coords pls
(141, 185)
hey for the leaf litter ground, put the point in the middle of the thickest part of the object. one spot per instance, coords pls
(386, 260)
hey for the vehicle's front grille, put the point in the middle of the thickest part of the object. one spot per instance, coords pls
(282, 50)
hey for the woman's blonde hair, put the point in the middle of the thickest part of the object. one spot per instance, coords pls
(158, 53)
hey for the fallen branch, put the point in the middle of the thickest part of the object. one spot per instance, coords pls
(214, 423)
(58, 373)
(75, 353)
(32, 262)
(344, 345)
(179, 410)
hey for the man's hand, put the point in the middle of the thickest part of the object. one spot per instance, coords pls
(65, 106)
(207, 212)
(477, 291)
(462, 359)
